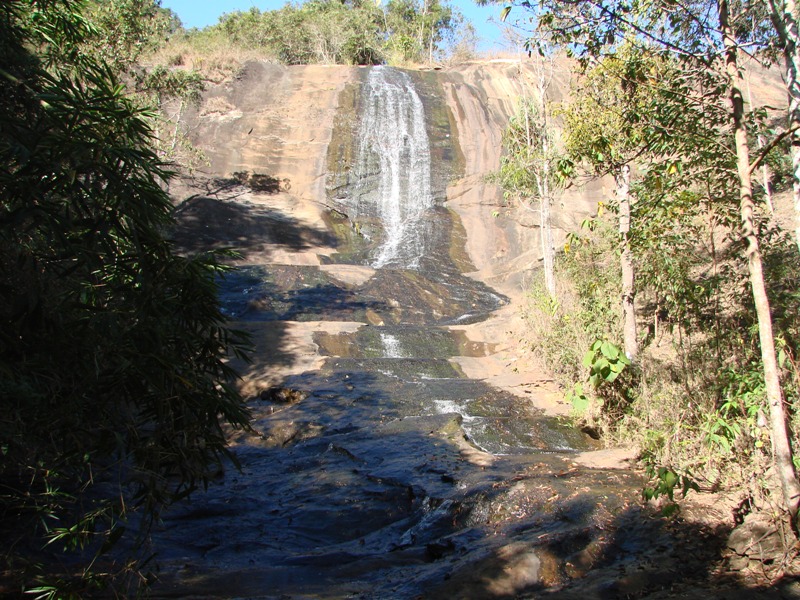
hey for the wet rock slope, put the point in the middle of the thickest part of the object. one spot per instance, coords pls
(372, 277)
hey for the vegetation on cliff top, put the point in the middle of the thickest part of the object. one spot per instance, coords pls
(354, 32)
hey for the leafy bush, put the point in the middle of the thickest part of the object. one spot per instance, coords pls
(695, 402)
(569, 334)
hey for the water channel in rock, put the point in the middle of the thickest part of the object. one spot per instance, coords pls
(387, 473)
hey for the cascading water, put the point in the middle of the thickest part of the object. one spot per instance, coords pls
(391, 345)
(393, 147)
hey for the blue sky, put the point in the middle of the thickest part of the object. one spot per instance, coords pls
(200, 13)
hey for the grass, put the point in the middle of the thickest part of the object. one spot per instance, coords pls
(209, 53)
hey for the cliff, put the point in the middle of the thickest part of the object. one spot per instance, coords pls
(278, 123)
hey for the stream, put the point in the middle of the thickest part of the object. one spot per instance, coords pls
(387, 473)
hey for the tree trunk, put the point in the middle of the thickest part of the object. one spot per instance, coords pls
(623, 181)
(781, 447)
(545, 200)
(177, 130)
(785, 21)
(546, 230)
(421, 35)
(765, 169)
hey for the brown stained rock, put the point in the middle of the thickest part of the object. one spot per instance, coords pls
(580, 563)
(512, 569)
(283, 395)
(520, 571)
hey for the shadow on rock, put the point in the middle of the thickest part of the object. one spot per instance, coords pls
(593, 545)
(205, 223)
(341, 494)
(291, 293)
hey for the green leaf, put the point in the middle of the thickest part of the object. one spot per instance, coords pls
(601, 365)
(504, 13)
(579, 400)
(670, 509)
(609, 350)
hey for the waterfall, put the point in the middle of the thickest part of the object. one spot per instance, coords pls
(391, 345)
(393, 168)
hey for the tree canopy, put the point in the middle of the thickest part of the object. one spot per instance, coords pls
(344, 32)
(114, 386)
(678, 113)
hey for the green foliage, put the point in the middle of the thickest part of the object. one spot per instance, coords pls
(335, 32)
(316, 32)
(578, 399)
(122, 31)
(417, 30)
(122, 34)
(529, 155)
(605, 362)
(585, 311)
(696, 402)
(663, 482)
(603, 122)
(589, 264)
(700, 405)
(163, 83)
(114, 386)
(696, 233)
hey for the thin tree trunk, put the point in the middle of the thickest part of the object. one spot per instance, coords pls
(421, 36)
(545, 200)
(623, 181)
(781, 447)
(546, 231)
(764, 168)
(548, 248)
(177, 130)
(768, 192)
(785, 21)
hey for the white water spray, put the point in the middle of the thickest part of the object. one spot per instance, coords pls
(393, 140)
(391, 346)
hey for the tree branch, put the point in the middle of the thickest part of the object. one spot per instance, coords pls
(775, 141)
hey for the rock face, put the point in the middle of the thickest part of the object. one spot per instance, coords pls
(279, 145)
(292, 127)
(482, 97)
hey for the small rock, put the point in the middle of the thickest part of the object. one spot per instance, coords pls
(738, 563)
(283, 395)
(757, 538)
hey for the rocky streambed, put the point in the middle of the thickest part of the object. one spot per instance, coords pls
(378, 468)
(399, 448)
